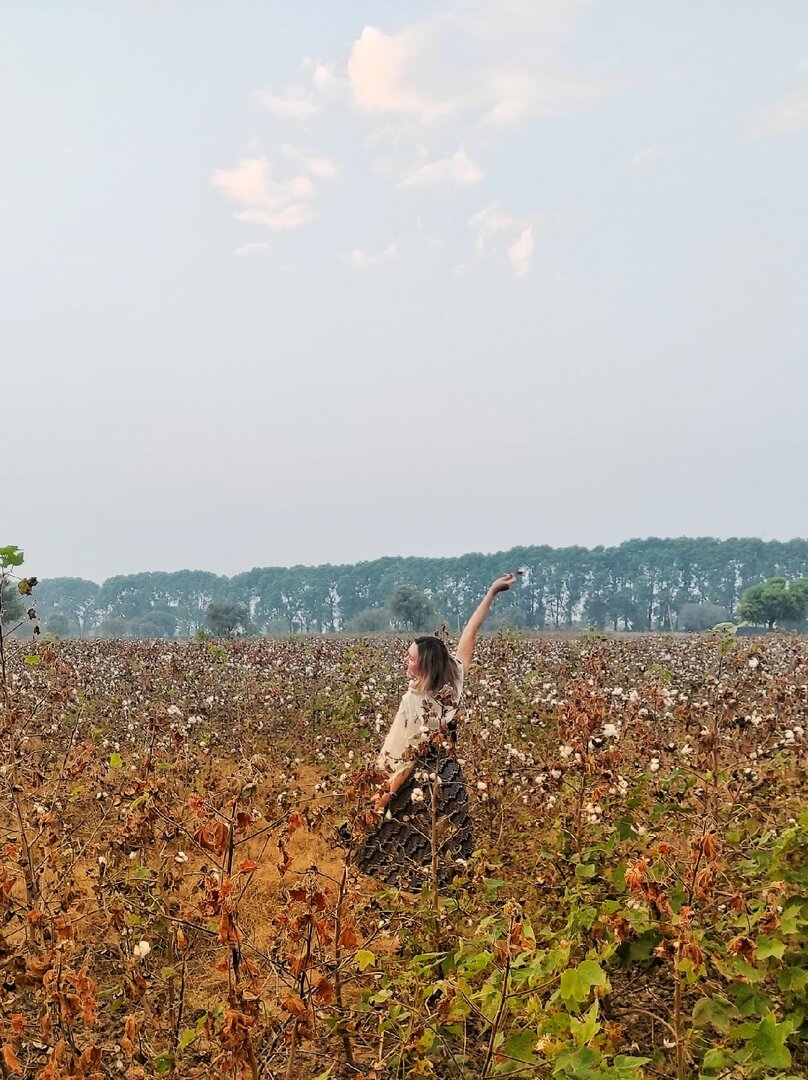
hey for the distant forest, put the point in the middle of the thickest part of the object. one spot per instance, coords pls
(639, 585)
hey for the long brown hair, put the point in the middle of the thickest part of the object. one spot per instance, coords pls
(435, 664)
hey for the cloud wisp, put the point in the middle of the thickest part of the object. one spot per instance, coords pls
(786, 116)
(252, 249)
(365, 260)
(457, 170)
(651, 155)
(475, 68)
(500, 234)
(520, 253)
(509, 77)
(264, 200)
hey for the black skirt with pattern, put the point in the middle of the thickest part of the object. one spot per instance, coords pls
(399, 851)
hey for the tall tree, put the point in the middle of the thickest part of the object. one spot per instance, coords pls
(72, 602)
(224, 617)
(411, 609)
(774, 602)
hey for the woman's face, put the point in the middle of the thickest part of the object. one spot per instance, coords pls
(413, 671)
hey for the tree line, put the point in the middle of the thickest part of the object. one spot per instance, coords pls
(640, 585)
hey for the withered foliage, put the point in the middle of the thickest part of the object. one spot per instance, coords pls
(175, 900)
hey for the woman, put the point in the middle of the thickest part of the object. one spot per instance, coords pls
(421, 769)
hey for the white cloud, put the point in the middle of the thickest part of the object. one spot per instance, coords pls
(316, 164)
(363, 260)
(650, 154)
(505, 23)
(324, 76)
(264, 200)
(508, 77)
(405, 76)
(293, 102)
(520, 253)
(541, 90)
(457, 169)
(803, 64)
(290, 217)
(250, 182)
(489, 222)
(388, 72)
(322, 83)
(252, 249)
(783, 117)
(501, 235)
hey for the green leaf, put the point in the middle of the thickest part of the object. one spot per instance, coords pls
(750, 1001)
(715, 1012)
(163, 1063)
(630, 952)
(187, 1037)
(585, 870)
(770, 1038)
(583, 1031)
(624, 828)
(767, 947)
(11, 556)
(32, 659)
(576, 1063)
(744, 970)
(573, 988)
(714, 1060)
(577, 982)
(627, 1063)
(592, 973)
(791, 921)
(793, 978)
(115, 761)
(491, 887)
(477, 962)
(619, 877)
(365, 958)
(520, 1045)
(427, 1041)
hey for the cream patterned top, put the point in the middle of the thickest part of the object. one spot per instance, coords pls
(417, 715)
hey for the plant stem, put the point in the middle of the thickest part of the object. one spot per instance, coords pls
(503, 1001)
(346, 1039)
(434, 838)
(677, 1023)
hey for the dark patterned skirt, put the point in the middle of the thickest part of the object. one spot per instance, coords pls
(399, 851)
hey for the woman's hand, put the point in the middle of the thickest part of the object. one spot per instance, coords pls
(468, 639)
(502, 584)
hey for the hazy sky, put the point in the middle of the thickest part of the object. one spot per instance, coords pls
(318, 282)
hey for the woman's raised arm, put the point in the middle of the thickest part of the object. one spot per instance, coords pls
(468, 639)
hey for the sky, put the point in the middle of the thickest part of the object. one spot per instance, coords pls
(315, 283)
